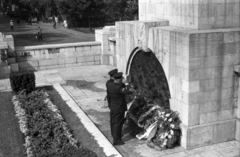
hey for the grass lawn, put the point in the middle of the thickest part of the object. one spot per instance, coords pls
(79, 131)
(87, 30)
(11, 139)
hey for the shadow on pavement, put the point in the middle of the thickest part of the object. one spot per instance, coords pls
(83, 84)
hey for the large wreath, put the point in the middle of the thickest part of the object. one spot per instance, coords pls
(158, 125)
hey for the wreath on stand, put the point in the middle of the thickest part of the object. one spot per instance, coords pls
(158, 125)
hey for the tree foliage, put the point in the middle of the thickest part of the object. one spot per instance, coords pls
(118, 10)
(42, 7)
(86, 12)
(79, 12)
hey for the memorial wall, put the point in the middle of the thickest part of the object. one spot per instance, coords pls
(198, 44)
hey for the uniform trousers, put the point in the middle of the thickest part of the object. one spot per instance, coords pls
(116, 122)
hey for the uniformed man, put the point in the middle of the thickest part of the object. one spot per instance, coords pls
(116, 95)
(111, 80)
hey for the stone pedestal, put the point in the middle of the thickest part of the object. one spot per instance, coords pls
(103, 36)
(10, 42)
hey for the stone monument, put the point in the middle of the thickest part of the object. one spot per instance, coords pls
(198, 44)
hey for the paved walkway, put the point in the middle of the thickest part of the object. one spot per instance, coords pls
(86, 86)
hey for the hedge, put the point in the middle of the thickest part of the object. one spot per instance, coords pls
(22, 80)
(46, 132)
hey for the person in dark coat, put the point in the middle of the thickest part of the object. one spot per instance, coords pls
(111, 80)
(116, 95)
(39, 34)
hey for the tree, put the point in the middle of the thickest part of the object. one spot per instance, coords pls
(118, 10)
(114, 10)
(93, 12)
(85, 12)
(80, 12)
(41, 6)
(132, 9)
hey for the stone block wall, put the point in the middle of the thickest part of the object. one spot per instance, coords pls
(199, 67)
(58, 56)
(194, 14)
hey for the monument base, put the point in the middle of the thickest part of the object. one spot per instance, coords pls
(208, 134)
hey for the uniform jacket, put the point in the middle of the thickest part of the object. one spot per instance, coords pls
(109, 81)
(116, 95)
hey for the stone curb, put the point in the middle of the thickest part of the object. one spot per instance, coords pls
(103, 142)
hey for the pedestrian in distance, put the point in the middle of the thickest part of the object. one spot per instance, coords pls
(39, 34)
(65, 23)
(11, 24)
(116, 92)
(56, 19)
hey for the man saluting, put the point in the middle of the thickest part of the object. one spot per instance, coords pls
(116, 95)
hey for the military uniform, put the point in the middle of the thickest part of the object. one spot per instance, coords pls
(108, 82)
(110, 73)
(118, 106)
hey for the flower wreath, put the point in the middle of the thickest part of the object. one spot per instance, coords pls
(161, 127)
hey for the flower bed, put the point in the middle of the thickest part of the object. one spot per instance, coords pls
(46, 133)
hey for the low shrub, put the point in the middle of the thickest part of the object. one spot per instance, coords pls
(22, 80)
(46, 132)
